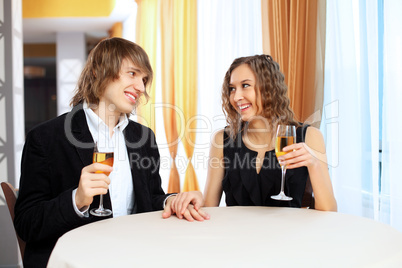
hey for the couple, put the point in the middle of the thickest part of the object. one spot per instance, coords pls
(59, 183)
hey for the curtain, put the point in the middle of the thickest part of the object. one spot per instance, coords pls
(294, 35)
(185, 79)
(227, 29)
(350, 130)
(178, 28)
(391, 182)
(168, 92)
(146, 37)
(116, 30)
(362, 85)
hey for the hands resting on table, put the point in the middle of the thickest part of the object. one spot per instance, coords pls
(186, 205)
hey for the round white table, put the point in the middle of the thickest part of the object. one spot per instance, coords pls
(233, 237)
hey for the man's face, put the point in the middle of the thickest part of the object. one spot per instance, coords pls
(123, 93)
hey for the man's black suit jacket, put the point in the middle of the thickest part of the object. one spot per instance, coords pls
(53, 157)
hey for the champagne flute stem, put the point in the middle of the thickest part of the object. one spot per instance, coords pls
(283, 178)
(101, 202)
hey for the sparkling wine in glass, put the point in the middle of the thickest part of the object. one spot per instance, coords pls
(107, 159)
(285, 135)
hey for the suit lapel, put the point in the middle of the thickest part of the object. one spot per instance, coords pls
(134, 142)
(83, 142)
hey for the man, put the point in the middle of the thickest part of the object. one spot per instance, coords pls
(60, 184)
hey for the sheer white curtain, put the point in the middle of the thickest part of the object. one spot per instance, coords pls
(350, 114)
(227, 29)
(391, 179)
(351, 122)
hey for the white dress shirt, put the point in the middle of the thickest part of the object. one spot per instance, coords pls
(121, 188)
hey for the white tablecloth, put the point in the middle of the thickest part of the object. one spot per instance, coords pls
(233, 237)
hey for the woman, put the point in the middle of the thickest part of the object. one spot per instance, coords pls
(242, 159)
(255, 102)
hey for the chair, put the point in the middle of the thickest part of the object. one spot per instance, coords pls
(11, 197)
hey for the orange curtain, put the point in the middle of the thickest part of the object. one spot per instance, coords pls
(168, 92)
(116, 30)
(146, 37)
(294, 35)
(185, 78)
(178, 28)
(179, 63)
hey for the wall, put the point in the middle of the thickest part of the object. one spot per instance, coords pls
(11, 118)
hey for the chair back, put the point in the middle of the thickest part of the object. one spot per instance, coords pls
(11, 194)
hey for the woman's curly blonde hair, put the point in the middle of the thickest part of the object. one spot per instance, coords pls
(270, 82)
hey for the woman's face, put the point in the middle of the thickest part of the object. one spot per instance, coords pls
(243, 96)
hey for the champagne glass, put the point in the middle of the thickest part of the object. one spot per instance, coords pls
(107, 159)
(285, 135)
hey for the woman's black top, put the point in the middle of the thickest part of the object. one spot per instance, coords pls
(244, 187)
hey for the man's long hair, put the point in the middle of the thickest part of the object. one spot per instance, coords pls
(103, 67)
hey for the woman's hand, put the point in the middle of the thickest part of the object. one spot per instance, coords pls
(186, 205)
(299, 155)
(311, 154)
